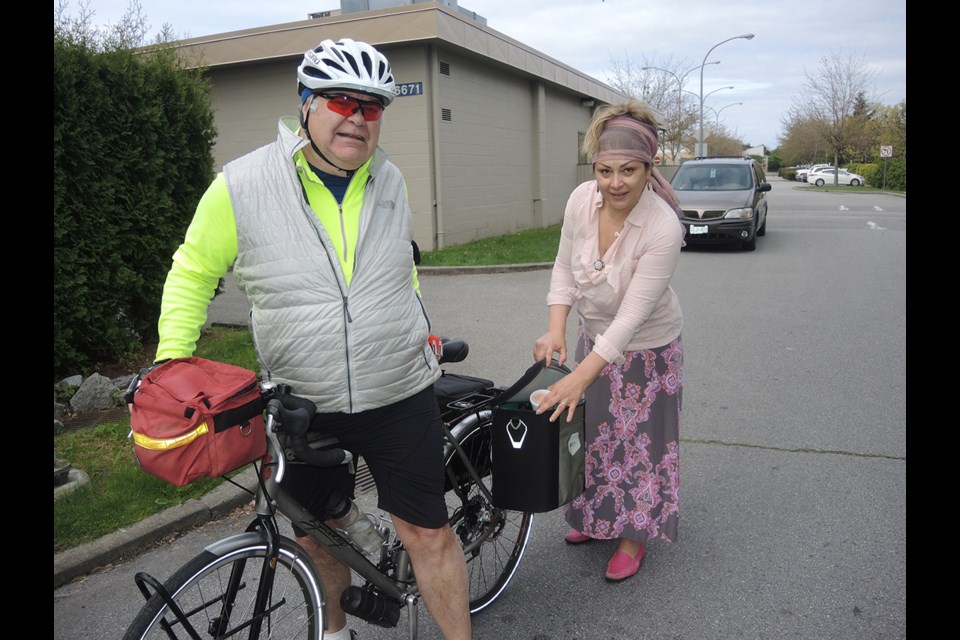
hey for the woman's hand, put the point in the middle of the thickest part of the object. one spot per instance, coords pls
(564, 395)
(566, 392)
(549, 343)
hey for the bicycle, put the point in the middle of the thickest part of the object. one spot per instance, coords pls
(264, 585)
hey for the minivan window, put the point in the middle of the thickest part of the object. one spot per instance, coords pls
(704, 177)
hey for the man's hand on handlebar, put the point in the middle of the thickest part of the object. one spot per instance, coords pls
(135, 383)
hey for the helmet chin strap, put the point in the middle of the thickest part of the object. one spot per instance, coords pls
(304, 121)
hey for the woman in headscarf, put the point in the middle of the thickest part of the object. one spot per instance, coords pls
(619, 248)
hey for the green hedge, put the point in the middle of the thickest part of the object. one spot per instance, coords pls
(866, 169)
(896, 174)
(132, 154)
(873, 173)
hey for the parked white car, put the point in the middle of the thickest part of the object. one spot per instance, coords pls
(821, 177)
(802, 173)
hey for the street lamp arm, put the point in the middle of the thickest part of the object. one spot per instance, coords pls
(717, 112)
(746, 36)
(681, 77)
(715, 90)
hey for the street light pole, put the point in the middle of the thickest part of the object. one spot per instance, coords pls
(746, 36)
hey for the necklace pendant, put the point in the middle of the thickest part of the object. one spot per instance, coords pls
(598, 265)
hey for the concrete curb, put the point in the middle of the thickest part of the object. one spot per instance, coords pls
(79, 561)
(493, 268)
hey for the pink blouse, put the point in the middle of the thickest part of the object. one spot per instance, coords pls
(628, 303)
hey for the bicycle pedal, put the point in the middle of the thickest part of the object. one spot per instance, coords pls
(370, 606)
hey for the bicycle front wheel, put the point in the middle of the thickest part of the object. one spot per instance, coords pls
(217, 590)
(493, 539)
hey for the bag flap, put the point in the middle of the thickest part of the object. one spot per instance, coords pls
(538, 376)
(184, 393)
(192, 379)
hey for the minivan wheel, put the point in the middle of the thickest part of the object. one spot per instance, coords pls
(819, 182)
(762, 231)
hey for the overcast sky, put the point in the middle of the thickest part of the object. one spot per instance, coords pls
(767, 72)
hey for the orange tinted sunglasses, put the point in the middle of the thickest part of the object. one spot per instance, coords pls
(347, 106)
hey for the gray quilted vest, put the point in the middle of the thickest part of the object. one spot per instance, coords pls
(348, 349)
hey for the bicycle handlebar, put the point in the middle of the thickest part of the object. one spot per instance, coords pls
(294, 414)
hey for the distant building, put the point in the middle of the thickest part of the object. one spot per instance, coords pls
(485, 129)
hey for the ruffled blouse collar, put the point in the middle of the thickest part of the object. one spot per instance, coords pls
(605, 267)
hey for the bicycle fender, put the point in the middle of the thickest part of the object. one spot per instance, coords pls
(469, 421)
(248, 538)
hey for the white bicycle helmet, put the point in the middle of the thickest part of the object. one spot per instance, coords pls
(346, 64)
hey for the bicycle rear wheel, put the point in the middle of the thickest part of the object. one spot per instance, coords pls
(202, 587)
(493, 539)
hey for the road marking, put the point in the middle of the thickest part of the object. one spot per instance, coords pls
(876, 208)
(843, 208)
(873, 225)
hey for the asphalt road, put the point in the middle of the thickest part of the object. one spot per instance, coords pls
(793, 452)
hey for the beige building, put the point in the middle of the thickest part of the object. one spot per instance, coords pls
(485, 129)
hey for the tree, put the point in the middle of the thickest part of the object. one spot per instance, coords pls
(129, 33)
(892, 128)
(79, 30)
(862, 132)
(133, 133)
(830, 99)
(802, 143)
(723, 143)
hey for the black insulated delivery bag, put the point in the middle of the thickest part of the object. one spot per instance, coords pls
(538, 465)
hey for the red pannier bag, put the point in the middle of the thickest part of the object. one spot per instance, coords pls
(193, 418)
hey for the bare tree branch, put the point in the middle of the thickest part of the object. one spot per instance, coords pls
(661, 85)
(830, 99)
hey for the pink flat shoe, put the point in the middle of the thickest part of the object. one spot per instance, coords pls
(622, 566)
(575, 537)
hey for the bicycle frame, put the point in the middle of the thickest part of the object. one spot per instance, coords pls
(391, 576)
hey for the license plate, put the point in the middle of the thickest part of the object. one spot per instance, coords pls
(696, 229)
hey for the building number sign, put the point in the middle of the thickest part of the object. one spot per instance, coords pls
(409, 89)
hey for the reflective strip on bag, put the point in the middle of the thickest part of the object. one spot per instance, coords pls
(162, 444)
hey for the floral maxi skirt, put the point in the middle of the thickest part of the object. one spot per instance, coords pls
(632, 454)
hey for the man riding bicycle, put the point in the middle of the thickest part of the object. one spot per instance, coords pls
(319, 232)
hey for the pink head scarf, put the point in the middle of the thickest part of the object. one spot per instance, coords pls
(627, 136)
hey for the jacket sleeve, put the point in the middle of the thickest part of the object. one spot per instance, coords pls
(207, 251)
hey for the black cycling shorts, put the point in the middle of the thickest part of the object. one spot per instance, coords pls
(402, 445)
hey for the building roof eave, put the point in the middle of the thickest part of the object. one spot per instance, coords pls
(406, 24)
